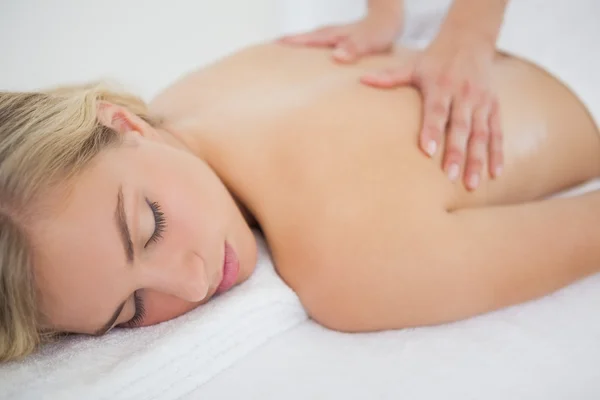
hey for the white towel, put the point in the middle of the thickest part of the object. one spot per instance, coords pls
(165, 361)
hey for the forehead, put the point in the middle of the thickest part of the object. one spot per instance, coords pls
(78, 252)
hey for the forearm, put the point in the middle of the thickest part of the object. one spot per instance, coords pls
(482, 17)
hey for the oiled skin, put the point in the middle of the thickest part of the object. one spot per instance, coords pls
(349, 204)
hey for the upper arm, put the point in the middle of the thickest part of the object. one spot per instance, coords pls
(383, 283)
(463, 264)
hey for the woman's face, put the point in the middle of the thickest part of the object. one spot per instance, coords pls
(146, 233)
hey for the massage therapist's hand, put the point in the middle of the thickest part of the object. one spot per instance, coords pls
(454, 75)
(375, 33)
(460, 107)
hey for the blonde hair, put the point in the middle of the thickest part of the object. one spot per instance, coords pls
(46, 138)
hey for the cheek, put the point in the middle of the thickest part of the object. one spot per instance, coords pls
(161, 307)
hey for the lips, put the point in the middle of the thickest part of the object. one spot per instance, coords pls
(231, 269)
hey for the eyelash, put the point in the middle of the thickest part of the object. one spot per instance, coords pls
(140, 311)
(159, 227)
(160, 222)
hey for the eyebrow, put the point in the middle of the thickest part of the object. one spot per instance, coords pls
(121, 220)
(106, 327)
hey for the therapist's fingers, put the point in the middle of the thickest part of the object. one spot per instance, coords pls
(477, 147)
(496, 162)
(458, 135)
(348, 50)
(390, 77)
(352, 48)
(323, 37)
(436, 112)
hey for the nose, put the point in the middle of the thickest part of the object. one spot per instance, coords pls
(185, 278)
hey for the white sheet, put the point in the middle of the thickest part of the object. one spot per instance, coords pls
(546, 350)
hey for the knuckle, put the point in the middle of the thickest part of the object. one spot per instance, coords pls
(477, 99)
(467, 90)
(476, 93)
(438, 108)
(458, 137)
(474, 164)
(460, 124)
(444, 80)
(454, 154)
(480, 135)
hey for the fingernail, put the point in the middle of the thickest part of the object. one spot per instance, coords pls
(474, 181)
(498, 171)
(453, 172)
(431, 148)
(341, 54)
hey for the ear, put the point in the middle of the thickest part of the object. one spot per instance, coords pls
(119, 118)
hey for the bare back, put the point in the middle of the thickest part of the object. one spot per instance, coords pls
(329, 166)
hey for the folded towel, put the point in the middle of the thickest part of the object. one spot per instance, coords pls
(164, 361)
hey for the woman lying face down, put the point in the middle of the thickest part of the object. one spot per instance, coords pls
(113, 214)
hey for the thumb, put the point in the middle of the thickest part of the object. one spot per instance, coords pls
(390, 77)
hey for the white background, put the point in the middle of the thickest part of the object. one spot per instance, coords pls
(146, 44)
(142, 44)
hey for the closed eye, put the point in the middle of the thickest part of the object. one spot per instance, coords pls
(160, 222)
(140, 312)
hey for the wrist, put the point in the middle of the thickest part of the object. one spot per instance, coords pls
(464, 35)
(392, 24)
(390, 6)
(475, 19)
(387, 11)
